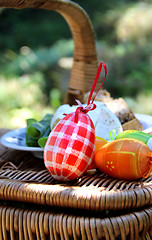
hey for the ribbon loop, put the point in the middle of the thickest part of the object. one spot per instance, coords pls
(91, 106)
(96, 80)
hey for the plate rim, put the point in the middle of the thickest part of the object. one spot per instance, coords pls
(15, 146)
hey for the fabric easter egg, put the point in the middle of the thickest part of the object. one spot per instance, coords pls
(70, 147)
(125, 159)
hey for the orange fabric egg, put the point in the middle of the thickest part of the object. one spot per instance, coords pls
(125, 159)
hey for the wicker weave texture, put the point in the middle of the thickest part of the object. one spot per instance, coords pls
(23, 224)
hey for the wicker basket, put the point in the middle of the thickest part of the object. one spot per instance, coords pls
(35, 206)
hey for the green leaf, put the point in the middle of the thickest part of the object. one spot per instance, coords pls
(38, 129)
(42, 141)
(37, 132)
(31, 142)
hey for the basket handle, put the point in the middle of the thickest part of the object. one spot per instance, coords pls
(85, 57)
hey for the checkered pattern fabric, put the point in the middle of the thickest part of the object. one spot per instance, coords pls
(70, 147)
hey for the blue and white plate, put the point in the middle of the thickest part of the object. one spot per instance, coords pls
(16, 139)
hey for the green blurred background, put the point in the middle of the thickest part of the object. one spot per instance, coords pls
(36, 50)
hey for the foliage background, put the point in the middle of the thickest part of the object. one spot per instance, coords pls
(36, 52)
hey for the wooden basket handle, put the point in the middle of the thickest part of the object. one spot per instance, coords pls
(85, 57)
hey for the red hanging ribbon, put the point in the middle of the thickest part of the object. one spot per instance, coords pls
(92, 106)
(96, 80)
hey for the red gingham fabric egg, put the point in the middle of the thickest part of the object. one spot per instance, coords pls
(70, 147)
